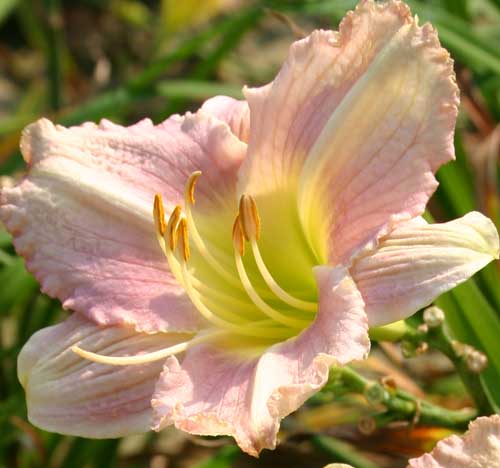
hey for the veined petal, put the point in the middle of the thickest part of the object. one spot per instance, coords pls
(357, 122)
(71, 395)
(83, 217)
(417, 262)
(232, 111)
(219, 390)
(479, 447)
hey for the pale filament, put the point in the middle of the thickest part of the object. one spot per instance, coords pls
(247, 329)
(144, 358)
(275, 287)
(252, 293)
(174, 237)
(167, 238)
(193, 230)
(260, 304)
(250, 225)
(255, 329)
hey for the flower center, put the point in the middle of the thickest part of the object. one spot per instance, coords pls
(265, 320)
(243, 299)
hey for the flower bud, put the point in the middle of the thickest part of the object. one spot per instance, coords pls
(408, 349)
(476, 361)
(389, 382)
(423, 328)
(367, 425)
(375, 394)
(421, 348)
(459, 348)
(433, 317)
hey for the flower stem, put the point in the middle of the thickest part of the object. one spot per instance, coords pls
(438, 338)
(399, 405)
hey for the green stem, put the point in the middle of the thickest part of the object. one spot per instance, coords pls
(439, 339)
(401, 405)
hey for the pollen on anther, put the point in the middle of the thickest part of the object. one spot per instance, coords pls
(159, 214)
(173, 223)
(249, 216)
(184, 239)
(238, 236)
(191, 184)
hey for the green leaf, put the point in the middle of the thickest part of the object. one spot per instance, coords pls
(16, 285)
(196, 89)
(6, 7)
(460, 37)
(341, 451)
(456, 191)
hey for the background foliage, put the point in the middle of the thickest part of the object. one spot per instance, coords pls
(127, 59)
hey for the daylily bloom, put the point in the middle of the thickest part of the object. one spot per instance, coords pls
(479, 447)
(283, 227)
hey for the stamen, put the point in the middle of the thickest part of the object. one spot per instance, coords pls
(250, 221)
(254, 296)
(159, 214)
(173, 223)
(275, 287)
(190, 186)
(189, 200)
(184, 239)
(249, 217)
(144, 358)
(173, 233)
(238, 236)
(255, 329)
(159, 219)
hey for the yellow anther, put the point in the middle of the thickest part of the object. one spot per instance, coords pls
(199, 243)
(238, 236)
(250, 219)
(183, 239)
(190, 186)
(173, 224)
(159, 214)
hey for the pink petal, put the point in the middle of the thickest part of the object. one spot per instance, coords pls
(225, 391)
(479, 447)
(417, 262)
(338, 465)
(70, 395)
(357, 122)
(83, 217)
(235, 113)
